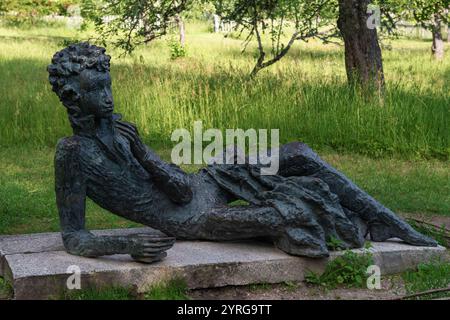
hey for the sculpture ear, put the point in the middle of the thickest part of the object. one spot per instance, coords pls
(69, 94)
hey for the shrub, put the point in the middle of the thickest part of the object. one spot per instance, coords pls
(348, 269)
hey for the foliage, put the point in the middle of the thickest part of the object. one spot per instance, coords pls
(348, 270)
(129, 23)
(30, 12)
(334, 244)
(174, 289)
(424, 12)
(421, 12)
(106, 293)
(433, 275)
(278, 22)
(202, 10)
(299, 19)
(177, 50)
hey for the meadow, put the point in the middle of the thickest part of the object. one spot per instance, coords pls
(398, 151)
(305, 95)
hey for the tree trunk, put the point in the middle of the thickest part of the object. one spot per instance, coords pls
(180, 23)
(448, 33)
(437, 48)
(216, 23)
(363, 61)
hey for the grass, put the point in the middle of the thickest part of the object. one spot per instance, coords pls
(6, 290)
(440, 234)
(260, 286)
(111, 293)
(174, 289)
(433, 275)
(305, 95)
(27, 198)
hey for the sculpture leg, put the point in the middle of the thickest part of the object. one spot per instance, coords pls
(248, 222)
(297, 159)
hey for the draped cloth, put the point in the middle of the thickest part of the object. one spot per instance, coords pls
(312, 214)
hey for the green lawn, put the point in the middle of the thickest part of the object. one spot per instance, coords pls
(305, 95)
(27, 199)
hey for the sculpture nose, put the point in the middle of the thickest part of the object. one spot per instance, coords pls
(108, 98)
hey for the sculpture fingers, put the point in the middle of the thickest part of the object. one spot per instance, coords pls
(128, 133)
(157, 239)
(156, 243)
(156, 250)
(128, 126)
(149, 259)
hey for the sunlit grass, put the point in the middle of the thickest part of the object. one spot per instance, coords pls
(428, 276)
(305, 95)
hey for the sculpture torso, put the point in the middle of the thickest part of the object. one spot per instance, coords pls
(117, 182)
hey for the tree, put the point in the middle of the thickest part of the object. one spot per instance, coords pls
(363, 60)
(129, 23)
(298, 19)
(432, 15)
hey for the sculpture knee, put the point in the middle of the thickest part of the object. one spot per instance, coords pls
(298, 159)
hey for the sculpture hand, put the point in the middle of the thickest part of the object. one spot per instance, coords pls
(130, 132)
(148, 248)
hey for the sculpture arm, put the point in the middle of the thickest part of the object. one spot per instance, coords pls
(168, 177)
(70, 188)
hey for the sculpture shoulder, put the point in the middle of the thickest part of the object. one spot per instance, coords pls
(68, 147)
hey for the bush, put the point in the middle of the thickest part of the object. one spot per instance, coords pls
(176, 49)
(348, 270)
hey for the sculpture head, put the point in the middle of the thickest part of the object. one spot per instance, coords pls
(79, 75)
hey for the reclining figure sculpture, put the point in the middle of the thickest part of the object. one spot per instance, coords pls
(301, 208)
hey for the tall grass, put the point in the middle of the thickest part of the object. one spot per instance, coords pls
(305, 95)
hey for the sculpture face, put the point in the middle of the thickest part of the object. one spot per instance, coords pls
(95, 93)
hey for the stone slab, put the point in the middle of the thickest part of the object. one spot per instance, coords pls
(49, 241)
(37, 266)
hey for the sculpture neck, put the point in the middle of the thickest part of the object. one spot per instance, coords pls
(104, 127)
(89, 126)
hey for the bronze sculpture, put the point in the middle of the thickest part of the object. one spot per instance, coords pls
(299, 210)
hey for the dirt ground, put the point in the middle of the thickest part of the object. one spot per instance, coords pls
(437, 220)
(391, 288)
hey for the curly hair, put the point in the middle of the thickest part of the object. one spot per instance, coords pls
(65, 69)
